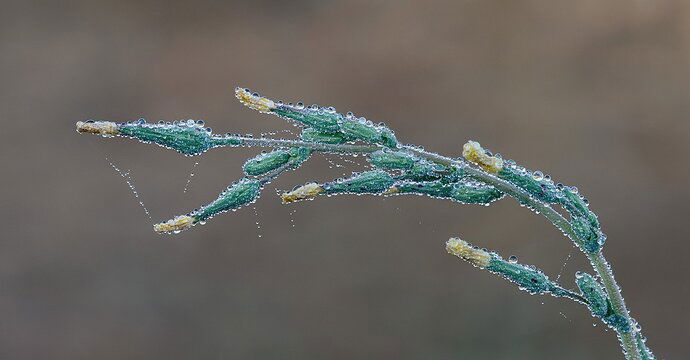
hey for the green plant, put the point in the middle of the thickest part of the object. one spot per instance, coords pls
(397, 169)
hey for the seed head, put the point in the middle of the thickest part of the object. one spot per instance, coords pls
(467, 252)
(473, 151)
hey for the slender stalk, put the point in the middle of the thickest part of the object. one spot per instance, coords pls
(602, 268)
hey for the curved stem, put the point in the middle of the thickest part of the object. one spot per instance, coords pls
(598, 261)
(614, 293)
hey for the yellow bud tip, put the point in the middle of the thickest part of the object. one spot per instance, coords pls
(177, 224)
(255, 102)
(308, 191)
(467, 252)
(391, 190)
(105, 128)
(474, 152)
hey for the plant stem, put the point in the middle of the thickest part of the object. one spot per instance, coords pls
(613, 291)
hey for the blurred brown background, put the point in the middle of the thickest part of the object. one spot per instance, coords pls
(595, 93)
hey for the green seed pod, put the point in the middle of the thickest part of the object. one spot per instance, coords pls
(361, 130)
(264, 163)
(425, 171)
(594, 293)
(475, 193)
(240, 193)
(540, 190)
(385, 159)
(526, 277)
(367, 182)
(388, 137)
(316, 136)
(589, 238)
(188, 139)
(299, 155)
(317, 118)
(575, 205)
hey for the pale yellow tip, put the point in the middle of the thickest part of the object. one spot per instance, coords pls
(467, 252)
(258, 103)
(105, 128)
(391, 190)
(474, 152)
(177, 224)
(308, 191)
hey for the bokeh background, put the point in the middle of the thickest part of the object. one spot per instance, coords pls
(595, 93)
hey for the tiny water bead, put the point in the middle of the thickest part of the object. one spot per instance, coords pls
(512, 259)
(128, 180)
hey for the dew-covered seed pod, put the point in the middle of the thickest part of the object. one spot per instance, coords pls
(299, 155)
(238, 194)
(539, 189)
(386, 159)
(526, 277)
(387, 137)
(186, 138)
(235, 196)
(589, 237)
(323, 121)
(363, 183)
(466, 192)
(576, 206)
(426, 171)
(264, 163)
(361, 129)
(316, 136)
(475, 193)
(594, 293)
(364, 130)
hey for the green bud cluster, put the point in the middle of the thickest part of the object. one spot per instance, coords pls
(327, 121)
